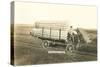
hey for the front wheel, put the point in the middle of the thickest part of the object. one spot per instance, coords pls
(70, 48)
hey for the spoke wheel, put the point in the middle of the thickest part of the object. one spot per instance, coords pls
(70, 48)
(45, 44)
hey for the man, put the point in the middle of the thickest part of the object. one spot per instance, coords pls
(71, 34)
(70, 30)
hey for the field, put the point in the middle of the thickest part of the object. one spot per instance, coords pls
(28, 49)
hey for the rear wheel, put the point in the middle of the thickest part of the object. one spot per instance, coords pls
(45, 44)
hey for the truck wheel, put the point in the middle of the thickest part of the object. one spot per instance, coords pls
(70, 48)
(45, 44)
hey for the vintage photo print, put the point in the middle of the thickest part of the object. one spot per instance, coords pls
(46, 33)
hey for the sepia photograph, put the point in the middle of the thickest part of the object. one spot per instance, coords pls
(48, 33)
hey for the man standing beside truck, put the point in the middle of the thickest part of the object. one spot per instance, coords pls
(71, 34)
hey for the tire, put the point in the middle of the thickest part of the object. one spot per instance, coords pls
(45, 44)
(70, 48)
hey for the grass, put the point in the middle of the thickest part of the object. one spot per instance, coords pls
(28, 50)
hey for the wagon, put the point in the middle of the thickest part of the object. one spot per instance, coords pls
(70, 42)
(51, 37)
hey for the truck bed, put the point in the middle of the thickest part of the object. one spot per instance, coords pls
(52, 39)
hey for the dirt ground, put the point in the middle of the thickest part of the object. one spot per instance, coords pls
(28, 50)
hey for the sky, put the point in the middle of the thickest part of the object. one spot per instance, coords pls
(75, 15)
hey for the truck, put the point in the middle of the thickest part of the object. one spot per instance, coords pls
(59, 36)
